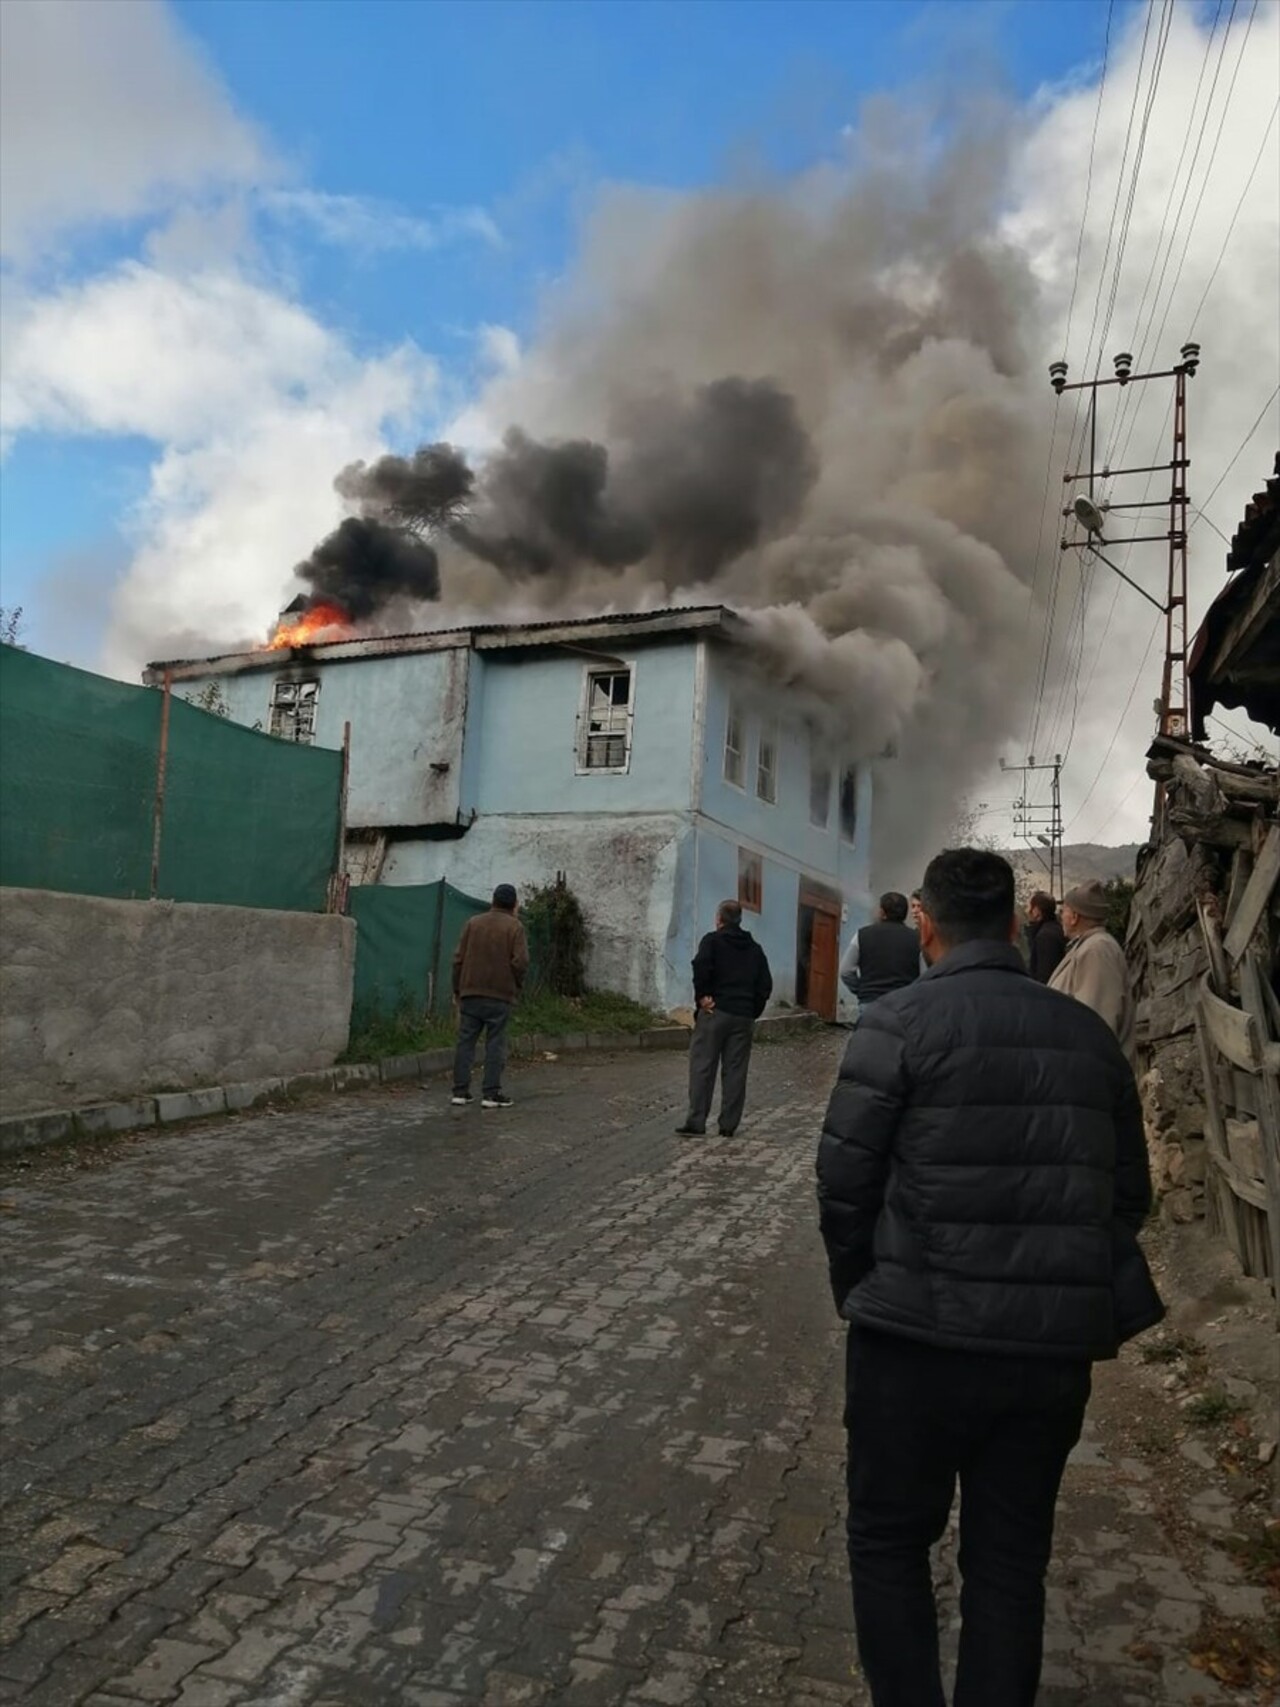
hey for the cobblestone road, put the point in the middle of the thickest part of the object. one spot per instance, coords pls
(378, 1401)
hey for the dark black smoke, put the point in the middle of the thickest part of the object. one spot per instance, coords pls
(422, 492)
(544, 507)
(364, 564)
(692, 483)
(382, 554)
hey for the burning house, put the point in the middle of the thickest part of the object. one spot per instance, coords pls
(644, 755)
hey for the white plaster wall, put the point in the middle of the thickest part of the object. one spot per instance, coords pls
(622, 869)
(102, 998)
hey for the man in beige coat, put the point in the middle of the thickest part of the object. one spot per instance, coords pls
(1094, 969)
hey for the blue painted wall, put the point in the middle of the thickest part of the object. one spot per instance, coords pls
(527, 736)
(407, 713)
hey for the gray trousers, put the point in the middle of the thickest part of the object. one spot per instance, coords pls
(477, 1014)
(721, 1042)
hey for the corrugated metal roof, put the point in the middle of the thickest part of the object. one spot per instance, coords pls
(668, 618)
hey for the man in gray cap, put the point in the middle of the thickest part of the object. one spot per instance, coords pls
(489, 965)
(1094, 969)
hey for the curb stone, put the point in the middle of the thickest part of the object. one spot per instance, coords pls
(46, 1127)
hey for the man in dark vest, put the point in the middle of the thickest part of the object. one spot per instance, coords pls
(883, 956)
(1046, 940)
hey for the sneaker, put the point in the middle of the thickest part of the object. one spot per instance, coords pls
(495, 1099)
(687, 1131)
(460, 1099)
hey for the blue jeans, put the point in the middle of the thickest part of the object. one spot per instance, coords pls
(479, 1014)
(919, 1418)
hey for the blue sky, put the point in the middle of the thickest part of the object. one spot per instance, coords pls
(517, 110)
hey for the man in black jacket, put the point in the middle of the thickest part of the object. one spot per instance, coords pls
(982, 1176)
(731, 987)
(1046, 940)
(883, 956)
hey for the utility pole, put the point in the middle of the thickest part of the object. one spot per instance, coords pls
(1091, 512)
(1039, 824)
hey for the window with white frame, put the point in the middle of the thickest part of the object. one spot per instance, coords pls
(767, 764)
(604, 725)
(819, 789)
(293, 711)
(849, 804)
(735, 747)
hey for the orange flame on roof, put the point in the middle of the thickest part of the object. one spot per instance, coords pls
(311, 627)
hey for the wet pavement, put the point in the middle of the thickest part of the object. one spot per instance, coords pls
(374, 1400)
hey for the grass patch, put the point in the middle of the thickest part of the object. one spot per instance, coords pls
(377, 1035)
(543, 1014)
(1212, 1407)
(1169, 1351)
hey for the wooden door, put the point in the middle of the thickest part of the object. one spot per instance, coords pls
(824, 964)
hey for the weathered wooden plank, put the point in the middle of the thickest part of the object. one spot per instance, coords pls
(1252, 975)
(1215, 1127)
(1211, 935)
(1244, 1147)
(1244, 1091)
(1251, 1191)
(1241, 868)
(1254, 901)
(1231, 1031)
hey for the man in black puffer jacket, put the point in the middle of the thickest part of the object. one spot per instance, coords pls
(982, 1177)
(732, 984)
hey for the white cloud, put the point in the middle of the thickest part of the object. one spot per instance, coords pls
(107, 111)
(255, 406)
(364, 223)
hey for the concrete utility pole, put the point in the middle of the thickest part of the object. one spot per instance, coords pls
(1039, 824)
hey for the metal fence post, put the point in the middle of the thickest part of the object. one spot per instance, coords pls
(162, 763)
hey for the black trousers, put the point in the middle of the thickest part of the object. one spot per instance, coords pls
(919, 1419)
(478, 1014)
(721, 1042)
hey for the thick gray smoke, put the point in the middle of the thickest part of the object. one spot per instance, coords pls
(814, 404)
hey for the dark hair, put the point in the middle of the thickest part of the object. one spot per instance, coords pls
(730, 912)
(504, 896)
(915, 894)
(893, 906)
(1046, 903)
(968, 893)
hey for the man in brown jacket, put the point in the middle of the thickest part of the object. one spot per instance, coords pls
(1094, 969)
(488, 971)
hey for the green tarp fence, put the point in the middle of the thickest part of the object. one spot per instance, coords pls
(247, 820)
(405, 940)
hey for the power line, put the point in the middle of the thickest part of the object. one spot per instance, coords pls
(1252, 430)
(1262, 148)
(1140, 336)
(1137, 677)
(1208, 173)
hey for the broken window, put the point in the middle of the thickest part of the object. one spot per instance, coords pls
(767, 764)
(604, 738)
(819, 791)
(849, 804)
(735, 748)
(293, 711)
(750, 880)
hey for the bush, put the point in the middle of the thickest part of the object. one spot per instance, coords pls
(557, 935)
(1119, 893)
